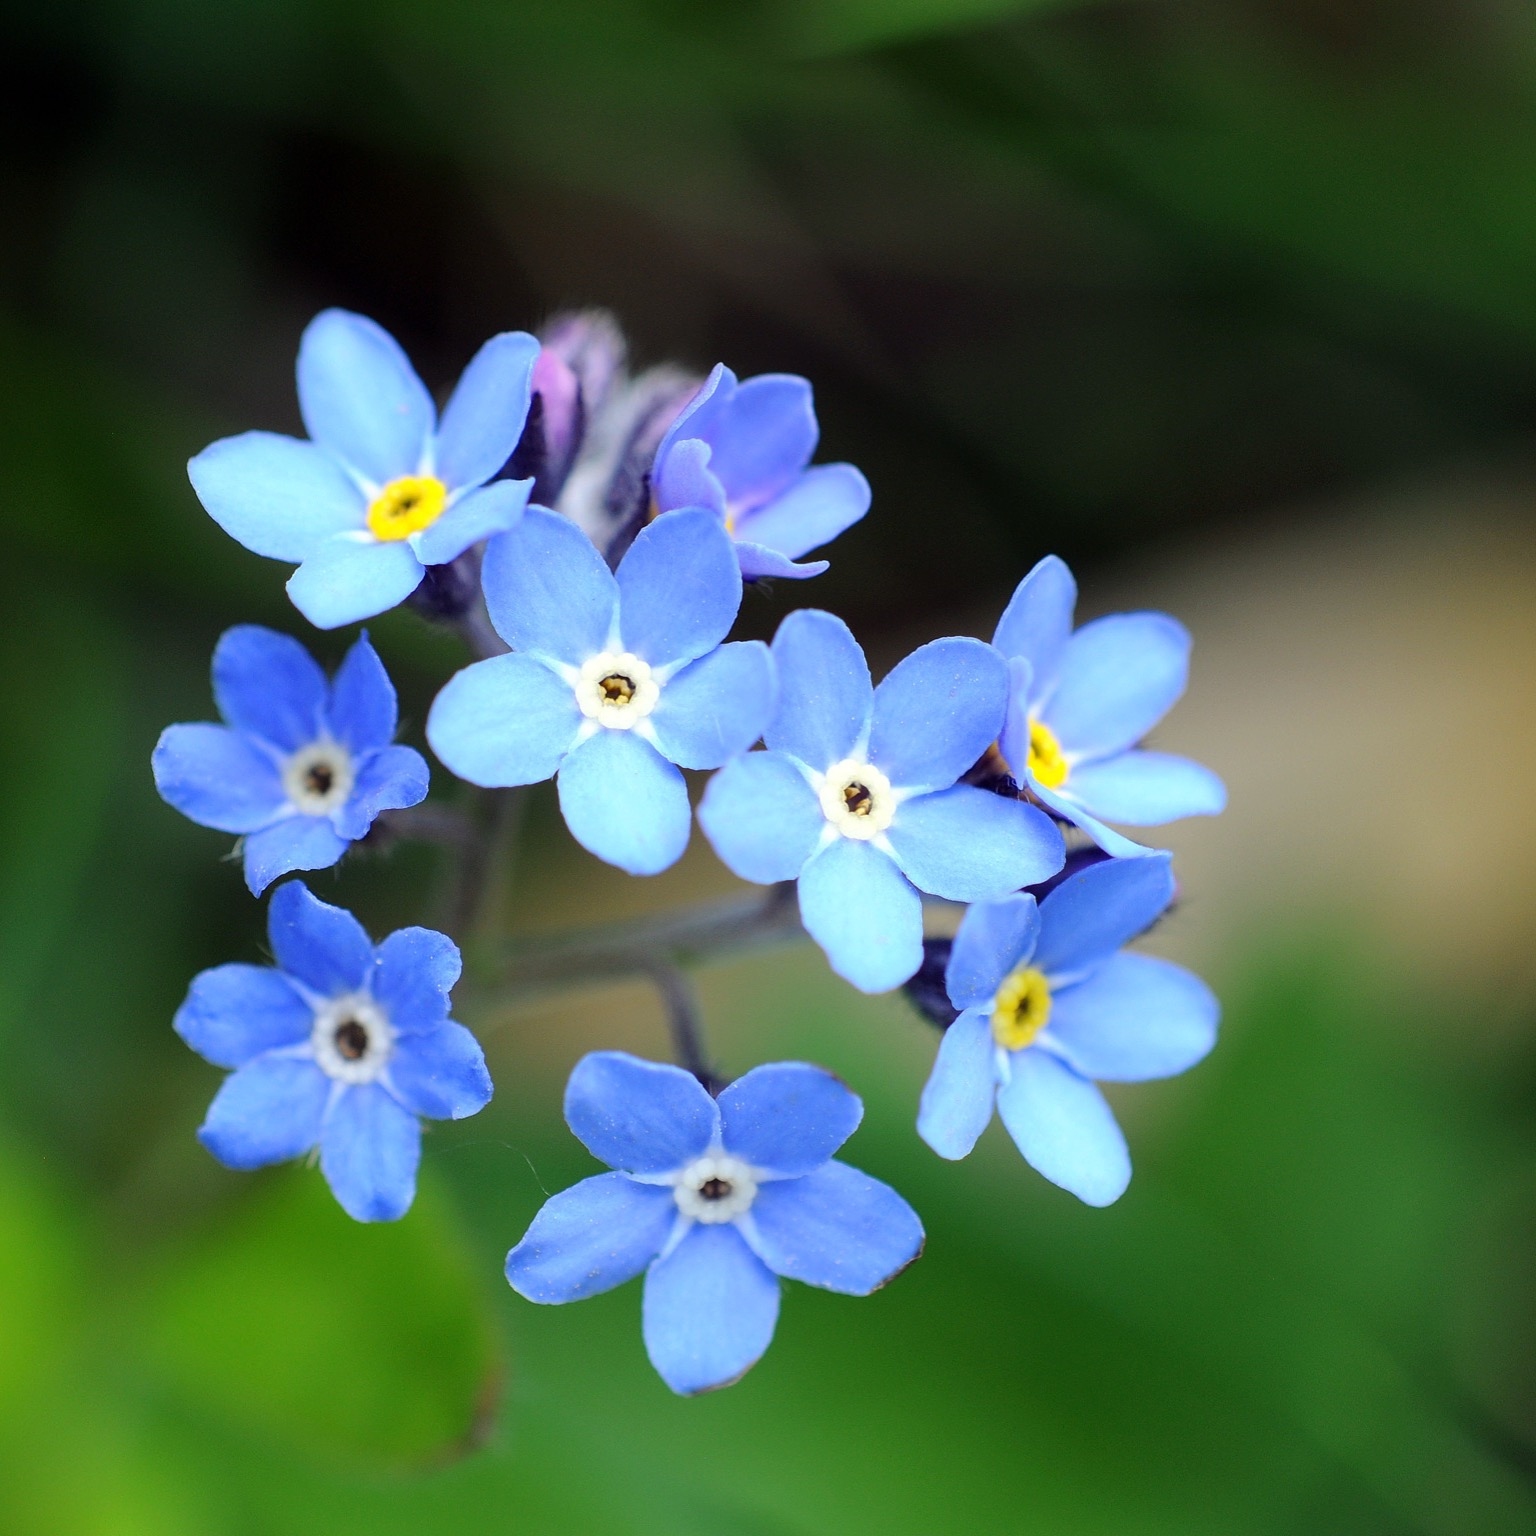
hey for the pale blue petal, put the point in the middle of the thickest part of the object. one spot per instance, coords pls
(590, 1238)
(480, 515)
(415, 970)
(278, 496)
(761, 817)
(1065, 806)
(763, 438)
(362, 711)
(825, 697)
(218, 778)
(388, 780)
(716, 706)
(1099, 909)
(509, 720)
(235, 1012)
(1037, 622)
(1146, 789)
(679, 588)
(958, 1097)
(787, 1117)
(709, 1310)
(370, 1147)
(967, 844)
(683, 479)
(266, 683)
(859, 907)
(697, 419)
(440, 1073)
(758, 561)
(818, 506)
(1013, 742)
(297, 842)
(324, 947)
(347, 580)
(1137, 1017)
(267, 1112)
(642, 1117)
(486, 413)
(1064, 1128)
(360, 397)
(994, 938)
(624, 802)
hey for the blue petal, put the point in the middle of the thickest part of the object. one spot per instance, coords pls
(298, 842)
(590, 1238)
(363, 711)
(623, 801)
(509, 720)
(967, 844)
(697, 419)
(235, 1012)
(825, 697)
(763, 438)
(1119, 676)
(1037, 622)
(709, 1310)
(360, 397)
(1064, 1128)
(937, 711)
(347, 579)
(388, 780)
(682, 479)
(480, 515)
(370, 1147)
(548, 590)
(1067, 807)
(486, 413)
(821, 504)
(267, 1112)
(1096, 911)
(993, 938)
(1146, 789)
(757, 560)
(267, 684)
(1013, 740)
(643, 1117)
(415, 970)
(787, 1117)
(836, 1228)
(761, 817)
(1136, 1017)
(716, 706)
(440, 1073)
(278, 496)
(959, 1094)
(858, 906)
(679, 588)
(218, 778)
(322, 946)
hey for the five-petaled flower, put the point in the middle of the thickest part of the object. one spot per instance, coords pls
(713, 1199)
(382, 489)
(301, 767)
(1079, 703)
(617, 679)
(343, 1045)
(1050, 1002)
(742, 450)
(857, 797)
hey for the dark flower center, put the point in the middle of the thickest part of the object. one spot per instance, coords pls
(351, 1040)
(320, 778)
(617, 688)
(715, 1189)
(858, 799)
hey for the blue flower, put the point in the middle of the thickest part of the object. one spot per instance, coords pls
(713, 1200)
(342, 1045)
(1079, 703)
(616, 680)
(302, 767)
(742, 450)
(383, 489)
(1049, 1003)
(857, 797)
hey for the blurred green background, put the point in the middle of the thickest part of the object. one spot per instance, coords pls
(1230, 302)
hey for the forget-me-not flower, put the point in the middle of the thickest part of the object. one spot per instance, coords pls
(713, 1199)
(1079, 703)
(341, 1046)
(617, 679)
(742, 450)
(382, 488)
(857, 797)
(301, 767)
(1050, 1002)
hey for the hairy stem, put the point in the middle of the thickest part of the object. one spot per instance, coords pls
(684, 1022)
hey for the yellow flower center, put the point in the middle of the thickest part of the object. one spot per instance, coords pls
(1021, 1009)
(406, 506)
(1046, 760)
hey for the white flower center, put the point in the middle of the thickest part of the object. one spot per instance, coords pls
(715, 1189)
(318, 778)
(352, 1038)
(857, 799)
(616, 689)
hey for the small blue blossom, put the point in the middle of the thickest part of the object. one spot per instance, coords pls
(1079, 703)
(1050, 1002)
(857, 797)
(301, 767)
(742, 450)
(382, 489)
(617, 680)
(342, 1046)
(712, 1199)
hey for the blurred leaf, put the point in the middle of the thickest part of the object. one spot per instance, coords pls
(36, 1285)
(837, 26)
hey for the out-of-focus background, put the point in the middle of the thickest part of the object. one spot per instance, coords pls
(1230, 302)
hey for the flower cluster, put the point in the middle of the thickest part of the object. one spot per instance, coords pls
(590, 532)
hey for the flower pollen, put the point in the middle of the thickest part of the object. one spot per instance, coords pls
(1021, 1009)
(857, 799)
(616, 689)
(1047, 761)
(406, 506)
